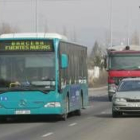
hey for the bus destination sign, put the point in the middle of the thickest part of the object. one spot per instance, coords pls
(27, 45)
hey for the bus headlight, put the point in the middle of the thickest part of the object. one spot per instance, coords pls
(53, 104)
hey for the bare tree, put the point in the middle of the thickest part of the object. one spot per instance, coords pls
(107, 39)
(6, 28)
(46, 28)
(65, 32)
(74, 35)
(96, 56)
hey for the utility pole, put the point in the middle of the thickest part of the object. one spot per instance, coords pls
(128, 28)
(111, 23)
(36, 16)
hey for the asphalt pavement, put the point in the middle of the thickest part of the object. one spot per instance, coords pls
(96, 123)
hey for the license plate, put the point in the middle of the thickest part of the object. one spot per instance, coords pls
(22, 112)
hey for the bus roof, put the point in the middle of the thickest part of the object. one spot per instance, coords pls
(33, 35)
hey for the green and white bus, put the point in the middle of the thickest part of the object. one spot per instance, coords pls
(42, 74)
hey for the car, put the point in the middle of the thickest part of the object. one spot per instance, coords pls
(127, 97)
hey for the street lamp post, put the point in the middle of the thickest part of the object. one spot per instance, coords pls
(128, 30)
(36, 16)
(110, 23)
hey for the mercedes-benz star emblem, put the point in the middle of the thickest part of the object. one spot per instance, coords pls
(22, 103)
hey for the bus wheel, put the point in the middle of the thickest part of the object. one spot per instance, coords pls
(110, 98)
(3, 119)
(78, 112)
(65, 115)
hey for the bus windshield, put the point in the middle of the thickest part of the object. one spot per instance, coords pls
(34, 69)
(125, 62)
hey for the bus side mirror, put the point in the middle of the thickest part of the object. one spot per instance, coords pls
(64, 61)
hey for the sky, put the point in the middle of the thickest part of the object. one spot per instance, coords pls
(88, 20)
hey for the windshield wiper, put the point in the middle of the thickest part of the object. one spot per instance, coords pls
(19, 88)
(47, 79)
(44, 83)
(30, 86)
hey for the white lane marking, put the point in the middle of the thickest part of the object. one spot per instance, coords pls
(48, 134)
(73, 124)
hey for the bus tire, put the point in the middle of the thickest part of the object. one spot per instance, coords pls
(3, 119)
(110, 98)
(78, 112)
(65, 115)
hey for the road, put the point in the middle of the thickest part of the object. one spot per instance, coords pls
(96, 123)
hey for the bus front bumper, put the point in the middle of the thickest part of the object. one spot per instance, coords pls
(33, 111)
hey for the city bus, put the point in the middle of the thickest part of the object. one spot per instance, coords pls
(42, 74)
